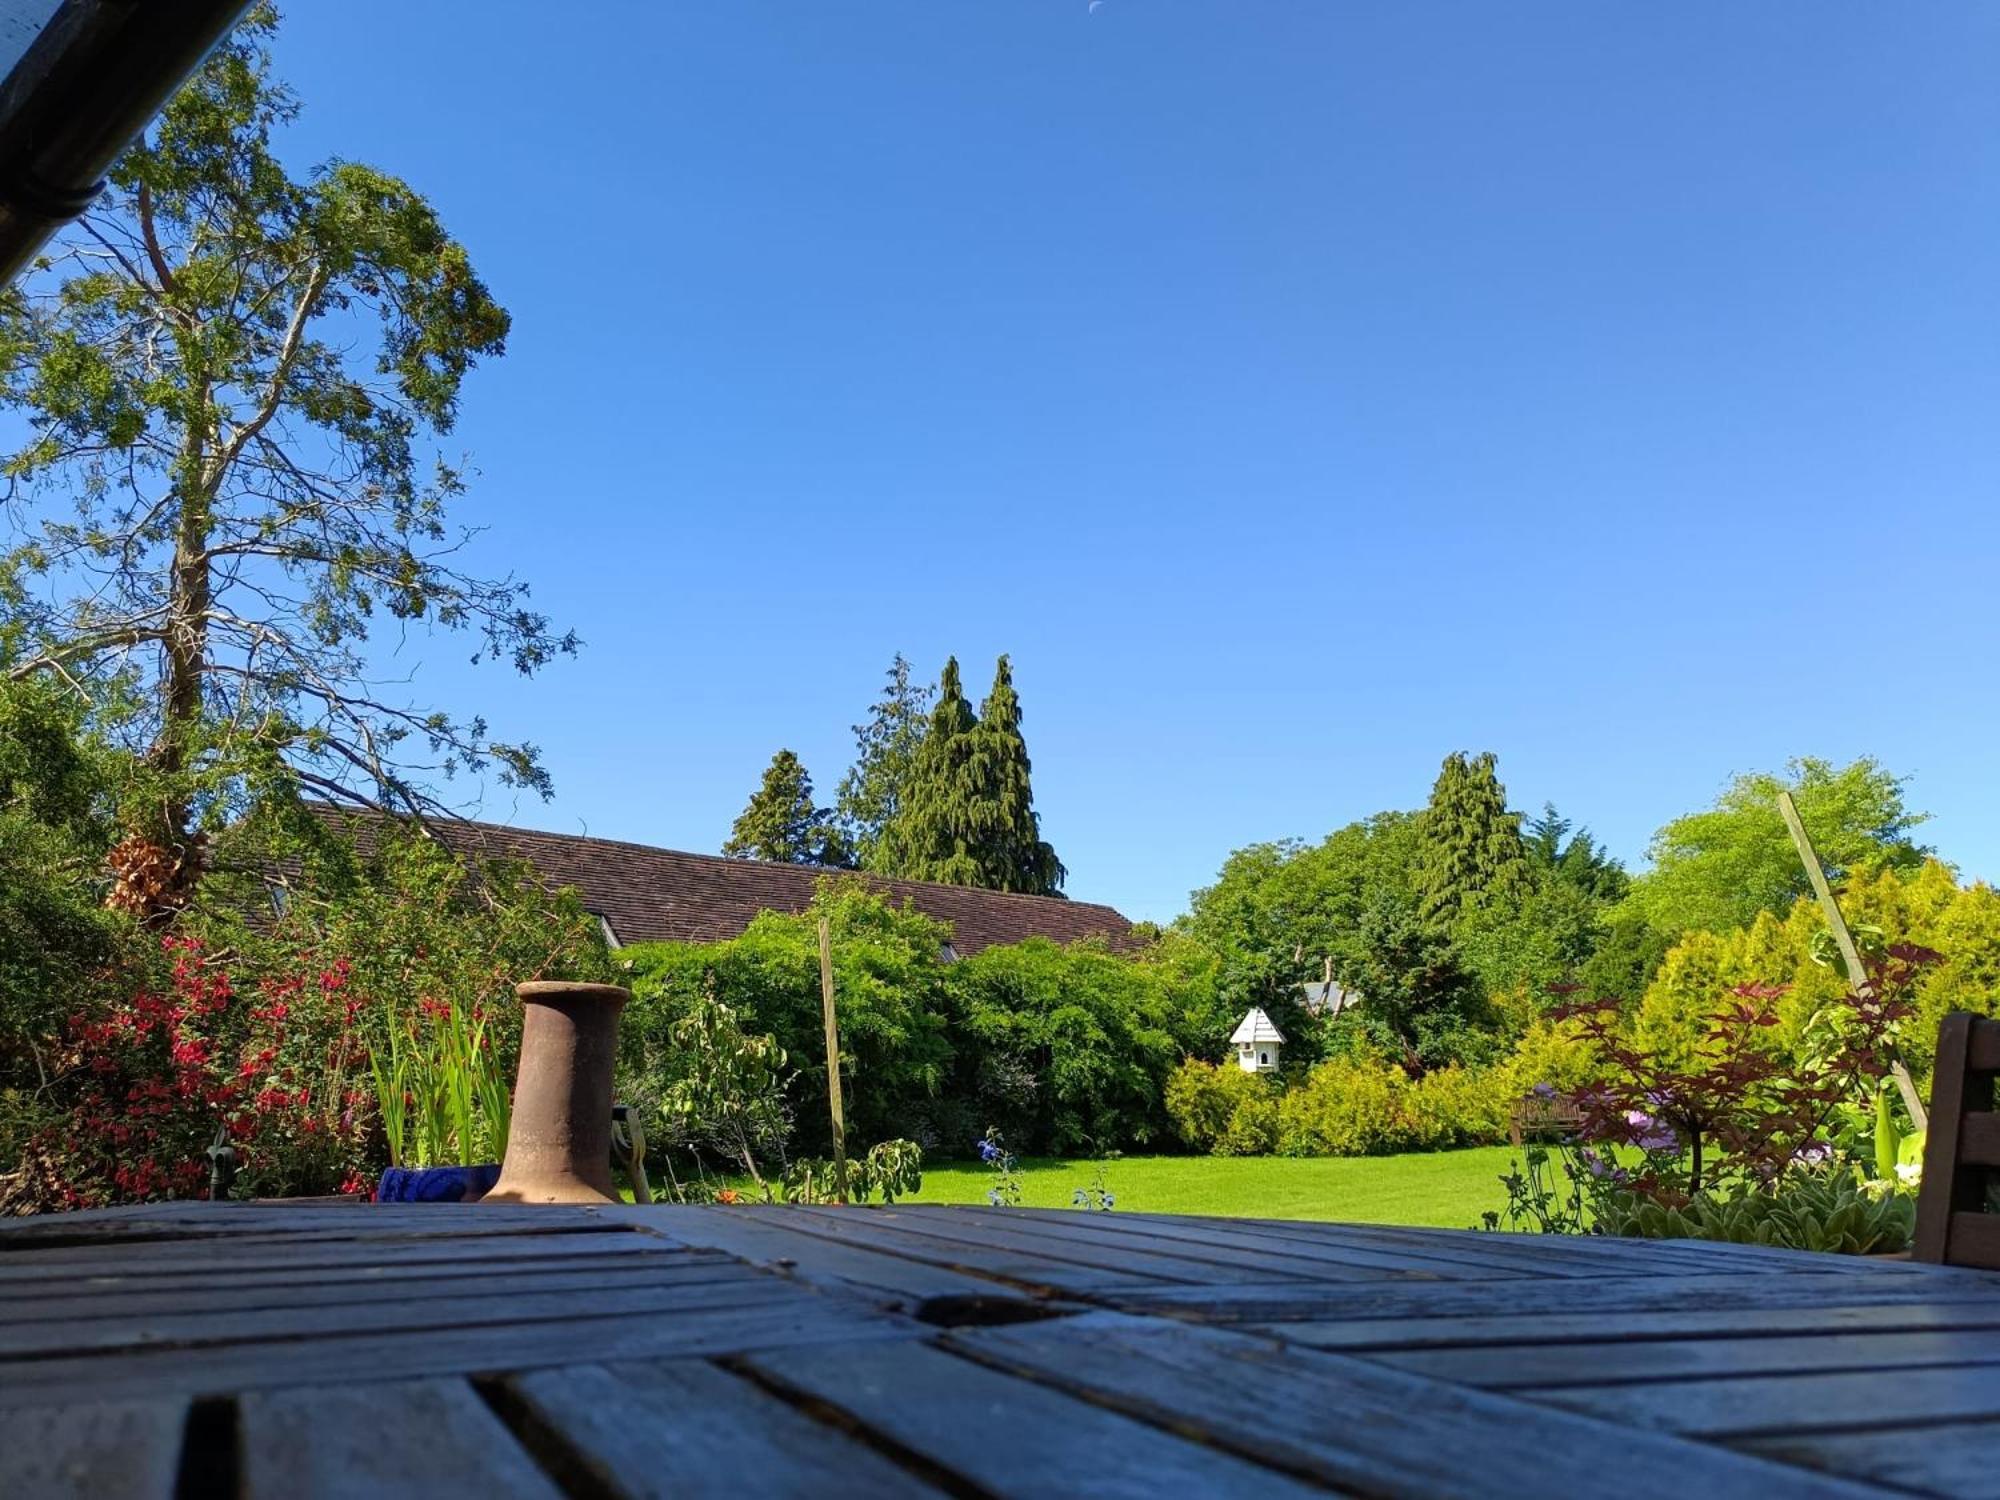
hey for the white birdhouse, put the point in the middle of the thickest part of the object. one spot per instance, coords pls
(1257, 1043)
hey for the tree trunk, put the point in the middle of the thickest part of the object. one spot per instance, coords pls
(186, 652)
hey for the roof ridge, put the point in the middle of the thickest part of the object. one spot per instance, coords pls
(731, 860)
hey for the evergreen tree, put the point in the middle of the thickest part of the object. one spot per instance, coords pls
(1573, 858)
(1469, 854)
(1419, 1006)
(935, 834)
(782, 825)
(1012, 853)
(872, 790)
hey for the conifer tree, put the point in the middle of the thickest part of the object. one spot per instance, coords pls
(781, 824)
(1470, 855)
(1012, 853)
(1557, 850)
(872, 790)
(934, 835)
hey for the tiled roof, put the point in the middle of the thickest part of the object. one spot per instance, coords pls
(654, 895)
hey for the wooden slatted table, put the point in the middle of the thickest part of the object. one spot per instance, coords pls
(282, 1350)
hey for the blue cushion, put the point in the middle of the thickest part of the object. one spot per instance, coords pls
(435, 1184)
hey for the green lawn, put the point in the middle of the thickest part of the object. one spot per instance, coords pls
(1444, 1189)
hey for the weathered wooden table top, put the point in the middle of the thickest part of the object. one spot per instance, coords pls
(271, 1350)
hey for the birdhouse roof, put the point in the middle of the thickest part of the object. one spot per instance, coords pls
(1256, 1027)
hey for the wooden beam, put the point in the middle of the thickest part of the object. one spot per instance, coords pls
(1850, 956)
(832, 1061)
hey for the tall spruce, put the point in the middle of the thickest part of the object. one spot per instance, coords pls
(1558, 850)
(885, 747)
(935, 832)
(1470, 855)
(1012, 854)
(782, 825)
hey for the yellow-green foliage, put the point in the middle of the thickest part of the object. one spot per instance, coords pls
(1223, 1110)
(1345, 1107)
(1551, 1052)
(1926, 907)
(1456, 1106)
(1366, 1106)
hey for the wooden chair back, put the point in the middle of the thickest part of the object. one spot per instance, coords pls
(1962, 1148)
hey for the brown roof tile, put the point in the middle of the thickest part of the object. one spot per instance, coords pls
(655, 895)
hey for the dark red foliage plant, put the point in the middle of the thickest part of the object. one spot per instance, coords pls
(1740, 1107)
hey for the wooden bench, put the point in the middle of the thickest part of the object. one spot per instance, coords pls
(1955, 1223)
(1539, 1119)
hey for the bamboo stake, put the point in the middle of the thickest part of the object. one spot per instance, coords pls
(1850, 956)
(832, 1061)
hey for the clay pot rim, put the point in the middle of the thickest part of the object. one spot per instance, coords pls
(547, 989)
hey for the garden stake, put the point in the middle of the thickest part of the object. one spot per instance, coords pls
(1850, 956)
(559, 1139)
(832, 1061)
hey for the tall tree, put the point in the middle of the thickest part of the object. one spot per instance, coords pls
(871, 792)
(1470, 854)
(234, 377)
(1278, 913)
(1558, 850)
(1418, 1003)
(1717, 869)
(782, 825)
(935, 834)
(1013, 856)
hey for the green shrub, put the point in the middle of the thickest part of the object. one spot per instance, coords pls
(1805, 1211)
(1344, 1107)
(888, 968)
(1552, 1052)
(61, 953)
(1069, 1049)
(1457, 1107)
(1223, 1110)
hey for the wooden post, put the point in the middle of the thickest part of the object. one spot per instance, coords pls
(832, 1061)
(1850, 956)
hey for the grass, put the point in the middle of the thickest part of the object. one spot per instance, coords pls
(1438, 1189)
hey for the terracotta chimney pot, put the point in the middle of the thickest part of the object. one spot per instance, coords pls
(559, 1136)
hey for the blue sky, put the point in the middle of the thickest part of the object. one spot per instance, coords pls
(1298, 392)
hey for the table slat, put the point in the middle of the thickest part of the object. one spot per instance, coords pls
(685, 1430)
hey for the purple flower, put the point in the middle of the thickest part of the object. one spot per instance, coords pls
(988, 1152)
(1648, 1134)
(1813, 1154)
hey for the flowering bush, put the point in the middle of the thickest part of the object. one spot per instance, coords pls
(277, 1070)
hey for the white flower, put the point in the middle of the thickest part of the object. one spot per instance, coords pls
(1909, 1173)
